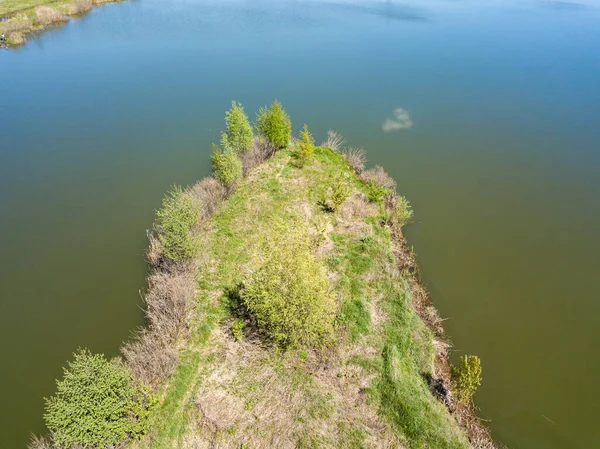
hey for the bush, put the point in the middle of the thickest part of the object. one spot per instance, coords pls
(335, 196)
(304, 148)
(261, 150)
(275, 125)
(289, 293)
(207, 194)
(398, 210)
(150, 357)
(379, 177)
(227, 167)
(356, 159)
(237, 128)
(334, 142)
(46, 15)
(375, 192)
(80, 6)
(174, 224)
(97, 404)
(466, 377)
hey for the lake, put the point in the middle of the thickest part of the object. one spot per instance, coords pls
(486, 112)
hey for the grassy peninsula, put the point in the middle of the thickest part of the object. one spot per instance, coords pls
(283, 310)
(23, 17)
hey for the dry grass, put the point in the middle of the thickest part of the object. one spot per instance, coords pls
(254, 398)
(46, 15)
(207, 194)
(260, 150)
(356, 158)
(379, 177)
(335, 141)
(80, 6)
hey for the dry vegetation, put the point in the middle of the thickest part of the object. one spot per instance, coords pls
(46, 15)
(23, 17)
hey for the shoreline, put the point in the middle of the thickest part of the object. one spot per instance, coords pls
(19, 24)
(217, 376)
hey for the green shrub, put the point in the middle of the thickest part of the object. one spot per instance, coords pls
(304, 148)
(227, 167)
(375, 192)
(175, 220)
(275, 125)
(237, 329)
(400, 212)
(466, 377)
(335, 196)
(97, 404)
(289, 292)
(237, 128)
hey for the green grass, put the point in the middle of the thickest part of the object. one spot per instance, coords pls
(367, 280)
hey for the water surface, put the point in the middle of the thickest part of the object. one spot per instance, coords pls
(499, 155)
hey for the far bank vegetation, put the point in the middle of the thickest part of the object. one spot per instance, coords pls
(26, 17)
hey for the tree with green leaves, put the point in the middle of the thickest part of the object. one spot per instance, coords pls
(227, 166)
(275, 124)
(304, 148)
(238, 131)
(97, 404)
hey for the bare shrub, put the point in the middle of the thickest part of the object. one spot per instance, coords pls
(151, 355)
(260, 150)
(38, 442)
(46, 15)
(80, 6)
(335, 141)
(207, 194)
(150, 358)
(379, 177)
(167, 301)
(356, 158)
(154, 252)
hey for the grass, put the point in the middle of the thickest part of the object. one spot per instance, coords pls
(366, 390)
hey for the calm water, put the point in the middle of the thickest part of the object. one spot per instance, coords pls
(501, 163)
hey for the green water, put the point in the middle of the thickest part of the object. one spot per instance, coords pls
(501, 163)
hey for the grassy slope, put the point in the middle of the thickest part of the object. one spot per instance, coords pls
(367, 392)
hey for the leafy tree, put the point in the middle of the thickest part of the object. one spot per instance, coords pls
(238, 130)
(175, 220)
(275, 125)
(304, 148)
(97, 404)
(227, 167)
(466, 377)
(289, 293)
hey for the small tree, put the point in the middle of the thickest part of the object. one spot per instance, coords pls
(97, 404)
(174, 223)
(237, 128)
(227, 167)
(289, 292)
(275, 125)
(466, 377)
(335, 196)
(304, 148)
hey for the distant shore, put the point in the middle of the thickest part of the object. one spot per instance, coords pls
(20, 18)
